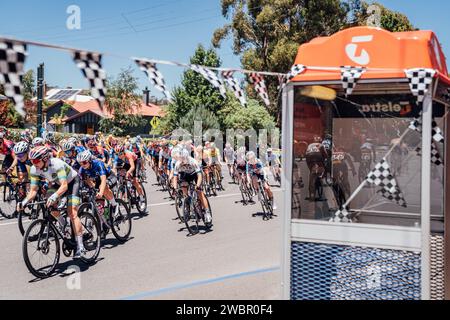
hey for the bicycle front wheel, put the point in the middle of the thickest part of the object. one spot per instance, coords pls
(91, 237)
(141, 204)
(190, 217)
(7, 201)
(41, 249)
(120, 221)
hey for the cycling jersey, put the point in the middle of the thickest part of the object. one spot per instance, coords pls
(7, 150)
(100, 153)
(56, 171)
(22, 166)
(129, 156)
(136, 149)
(96, 170)
(229, 154)
(255, 169)
(191, 167)
(272, 159)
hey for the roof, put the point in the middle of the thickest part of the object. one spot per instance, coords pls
(67, 95)
(374, 48)
(92, 106)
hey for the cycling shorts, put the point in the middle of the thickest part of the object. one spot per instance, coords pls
(72, 192)
(187, 177)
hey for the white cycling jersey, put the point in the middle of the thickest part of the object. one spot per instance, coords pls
(190, 167)
(57, 171)
(229, 154)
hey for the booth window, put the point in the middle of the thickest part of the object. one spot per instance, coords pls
(337, 143)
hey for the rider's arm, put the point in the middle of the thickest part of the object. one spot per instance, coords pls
(102, 185)
(199, 180)
(14, 164)
(31, 195)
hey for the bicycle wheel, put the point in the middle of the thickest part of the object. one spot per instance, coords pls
(120, 222)
(7, 201)
(141, 205)
(41, 249)
(319, 187)
(179, 206)
(190, 218)
(212, 184)
(91, 237)
(25, 216)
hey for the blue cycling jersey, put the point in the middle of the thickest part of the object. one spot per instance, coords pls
(96, 170)
(255, 169)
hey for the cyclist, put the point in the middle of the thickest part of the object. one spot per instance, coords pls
(229, 156)
(327, 145)
(273, 163)
(368, 151)
(255, 172)
(187, 170)
(26, 136)
(214, 160)
(6, 149)
(21, 161)
(315, 160)
(127, 160)
(50, 144)
(71, 151)
(341, 164)
(64, 180)
(97, 151)
(96, 175)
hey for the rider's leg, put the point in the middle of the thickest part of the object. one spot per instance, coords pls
(138, 187)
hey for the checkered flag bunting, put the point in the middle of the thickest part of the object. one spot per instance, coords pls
(234, 86)
(437, 133)
(211, 77)
(349, 77)
(416, 124)
(381, 176)
(12, 59)
(154, 75)
(435, 155)
(260, 86)
(342, 216)
(91, 66)
(420, 81)
(396, 197)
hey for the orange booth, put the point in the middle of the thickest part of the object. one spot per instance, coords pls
(365, 119)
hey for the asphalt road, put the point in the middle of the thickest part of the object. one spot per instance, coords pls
(239, 259)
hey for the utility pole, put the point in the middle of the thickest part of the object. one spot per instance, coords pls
(40, 98)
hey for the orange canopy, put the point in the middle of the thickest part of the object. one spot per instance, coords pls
(385, 54)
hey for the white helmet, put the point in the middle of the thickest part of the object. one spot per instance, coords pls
(38, 142)
(270, 150)
(21, 147)
(84, 156)
(251, 156)
(184, 155)
(68, 145)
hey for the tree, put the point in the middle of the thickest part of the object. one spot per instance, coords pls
(389, 20)
(28, 85)
(208, 119)
(58, 119)
(267, 33)
(122, 101)
(255, 116)
(195, 91)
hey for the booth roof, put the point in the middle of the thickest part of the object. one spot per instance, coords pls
(385, 54)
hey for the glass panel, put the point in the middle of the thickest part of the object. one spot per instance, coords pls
(338, 143)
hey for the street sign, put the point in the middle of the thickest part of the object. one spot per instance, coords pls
(155, 123)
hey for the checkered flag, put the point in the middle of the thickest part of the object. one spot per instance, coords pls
(435, 155)
(234, 86)
(295, 71)
(350, 76)
(396, 197)
(91, 66)
(211, 77)
(12, 59)
(437, 133)
(260, 86)
(342, 216)
(416, 125)
(420, 81)
(381, 176)
(155, 77)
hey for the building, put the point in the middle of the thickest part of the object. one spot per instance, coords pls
(84, 114)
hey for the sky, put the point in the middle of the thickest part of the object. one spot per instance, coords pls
(156, 29)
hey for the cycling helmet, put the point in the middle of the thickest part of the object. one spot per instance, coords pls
(133, 141)
(25, 136)
(74, 140)
(270, 150)
(21, 147)
(38, 142)
(67, 146)
(184, 155)
(84, 156)
(251, 156)
(50, 136)
(39, 153)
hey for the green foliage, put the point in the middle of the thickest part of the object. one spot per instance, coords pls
(121, 100)
(390, 20)
(254, 116)
(195, 92)
(208, 119)
(28, 85)
(267, 33)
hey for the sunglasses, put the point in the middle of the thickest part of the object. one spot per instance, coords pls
(21, 155)
(36, 161)
(67, 153)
